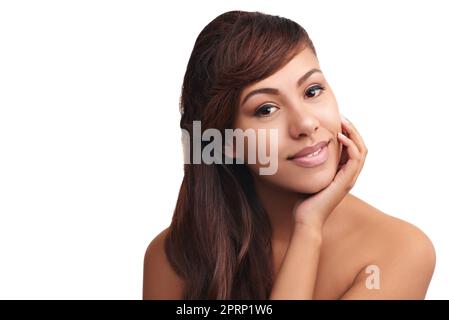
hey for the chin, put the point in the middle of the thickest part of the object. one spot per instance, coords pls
(311, 186)
(307, 184)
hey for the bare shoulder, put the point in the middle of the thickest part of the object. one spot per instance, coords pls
(399, 252)
(159, 279)
(384, 231)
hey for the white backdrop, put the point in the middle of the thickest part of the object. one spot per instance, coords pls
(90, 153)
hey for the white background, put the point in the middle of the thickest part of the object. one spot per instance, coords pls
(90, 152)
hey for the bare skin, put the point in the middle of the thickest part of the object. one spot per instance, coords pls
(324, 238)
(357, 235)
(350, 243)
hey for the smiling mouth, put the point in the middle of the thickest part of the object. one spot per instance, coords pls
(314, 159)
(312, 153)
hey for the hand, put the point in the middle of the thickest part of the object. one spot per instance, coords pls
(314, 210)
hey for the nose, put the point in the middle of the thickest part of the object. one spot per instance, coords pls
(303, 124)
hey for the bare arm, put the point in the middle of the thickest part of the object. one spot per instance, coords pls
(159, 279)
(297, 275)
(404, 271)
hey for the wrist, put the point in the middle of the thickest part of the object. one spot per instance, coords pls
(312, 233)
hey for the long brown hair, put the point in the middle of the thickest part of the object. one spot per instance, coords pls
(219, 240)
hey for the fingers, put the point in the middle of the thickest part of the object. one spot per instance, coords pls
(354, 135)
(352, 149)
(356, 150)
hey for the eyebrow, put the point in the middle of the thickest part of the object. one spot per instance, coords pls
(300, 81)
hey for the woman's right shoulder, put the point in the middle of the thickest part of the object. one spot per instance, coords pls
(160, 281)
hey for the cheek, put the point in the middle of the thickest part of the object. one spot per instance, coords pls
(260, 144)
(330, 120)
(260, 138)
(332, 116)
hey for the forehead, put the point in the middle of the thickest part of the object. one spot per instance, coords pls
(288, 74)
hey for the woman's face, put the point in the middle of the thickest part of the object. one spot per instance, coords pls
(304, 112)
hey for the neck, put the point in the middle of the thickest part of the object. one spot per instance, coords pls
(278, 203)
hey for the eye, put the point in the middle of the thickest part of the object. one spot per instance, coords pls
(265, 110)
(311, 92)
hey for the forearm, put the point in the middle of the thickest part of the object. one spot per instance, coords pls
(297, 275)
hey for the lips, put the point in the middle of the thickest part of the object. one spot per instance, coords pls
(308, 150)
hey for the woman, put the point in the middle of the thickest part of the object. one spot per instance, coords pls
(296, 233)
